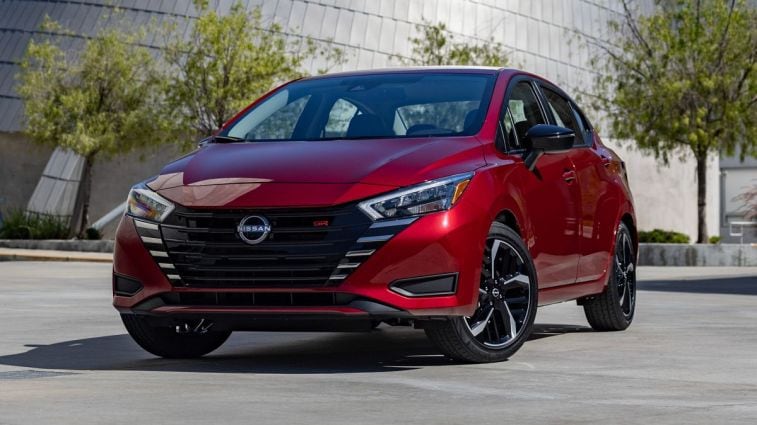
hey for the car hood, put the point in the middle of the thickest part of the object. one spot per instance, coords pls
(312, 173)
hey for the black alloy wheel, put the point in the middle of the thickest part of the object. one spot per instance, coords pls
(614, 309)
(506, 307)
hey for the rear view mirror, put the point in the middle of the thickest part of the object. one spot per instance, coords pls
(543, 138)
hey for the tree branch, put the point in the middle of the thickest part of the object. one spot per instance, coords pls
(631, 23)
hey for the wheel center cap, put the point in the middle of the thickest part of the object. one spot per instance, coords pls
(495, 292)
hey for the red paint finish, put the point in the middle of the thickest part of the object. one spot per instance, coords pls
(567, 211)
(391, 162)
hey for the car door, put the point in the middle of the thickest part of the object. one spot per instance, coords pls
(550, 193)
(589, 182)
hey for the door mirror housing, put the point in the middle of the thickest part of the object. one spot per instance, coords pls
(204, 142)
(544, 138)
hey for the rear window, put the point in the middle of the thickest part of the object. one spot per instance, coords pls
(370, 106)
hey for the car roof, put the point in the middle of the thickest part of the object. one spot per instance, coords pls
(431, 69)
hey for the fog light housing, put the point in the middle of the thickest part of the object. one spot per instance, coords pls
(125, 287)
(426, 286)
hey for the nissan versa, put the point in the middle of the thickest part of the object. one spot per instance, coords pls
(455, 200)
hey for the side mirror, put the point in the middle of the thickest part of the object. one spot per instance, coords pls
(543, 138)
(204, 142)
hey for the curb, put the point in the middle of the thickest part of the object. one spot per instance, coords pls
(7, 254)
(77, 245)
(718, 255)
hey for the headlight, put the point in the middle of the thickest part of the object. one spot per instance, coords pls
(436, 195)
(145, 203)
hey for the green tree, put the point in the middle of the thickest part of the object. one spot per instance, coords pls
(230, 60)
(437, 46)
(680, 82)
(99, 102)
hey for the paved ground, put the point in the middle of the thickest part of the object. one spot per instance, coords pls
(690, 357)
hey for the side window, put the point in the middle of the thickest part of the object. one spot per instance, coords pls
(583, 124)
(508, 127)
(339, 118)
(523, 109)
(564, 114)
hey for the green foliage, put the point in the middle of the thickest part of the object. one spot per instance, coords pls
(714, 240)
(22, 225)
(680, 82)
(228, 61)
(662, 236)
(92, 234)
(437, 46)
(104, 100)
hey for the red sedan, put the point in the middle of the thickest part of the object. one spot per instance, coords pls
(455, 200)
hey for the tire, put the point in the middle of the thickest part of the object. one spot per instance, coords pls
(511, 297)
(165, 342)
(613, 309)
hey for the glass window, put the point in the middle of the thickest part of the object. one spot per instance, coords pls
(583, 124)
(277, 123)
(508, 127)
(564, 114)
(524, 109)
(339, 119)
(401, 104)
(438, 118)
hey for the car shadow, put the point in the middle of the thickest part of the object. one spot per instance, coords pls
(744, 285)
(383, 350)
(545, 330)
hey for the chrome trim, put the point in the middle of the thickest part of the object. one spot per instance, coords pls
(365, 206)
(348, 265)
(146, 239)
(360, 253)
(173, 276)
(337, 277)
(146, 225)
(412, 295)
(380, 238)
(158, 254)
(391, 223)
(166, 266)
(402, 292)
(409, 294)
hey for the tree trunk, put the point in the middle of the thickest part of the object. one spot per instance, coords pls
(86, 192)
(702, 198)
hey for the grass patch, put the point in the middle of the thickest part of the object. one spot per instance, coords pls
(19, 224)
(663, 236)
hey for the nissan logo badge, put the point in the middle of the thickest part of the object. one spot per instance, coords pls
(253, 229)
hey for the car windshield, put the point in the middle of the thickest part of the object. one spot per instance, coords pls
(391, 105)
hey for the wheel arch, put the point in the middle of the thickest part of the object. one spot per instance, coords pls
(628, 220)
(507, 217)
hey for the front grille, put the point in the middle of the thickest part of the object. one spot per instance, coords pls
(206, 250)
(305, 248)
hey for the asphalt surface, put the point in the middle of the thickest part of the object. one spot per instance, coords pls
(690, 357)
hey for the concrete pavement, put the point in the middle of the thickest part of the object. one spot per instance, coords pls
(690, 357)
(17, 254)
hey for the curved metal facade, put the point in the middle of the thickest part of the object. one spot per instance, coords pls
(538, 33)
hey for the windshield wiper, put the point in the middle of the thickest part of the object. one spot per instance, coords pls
(218, 139)
(225, 139)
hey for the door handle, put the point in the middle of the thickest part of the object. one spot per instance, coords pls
(569, 176)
